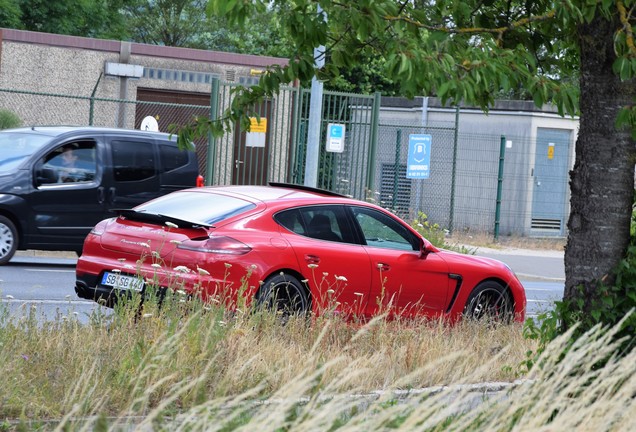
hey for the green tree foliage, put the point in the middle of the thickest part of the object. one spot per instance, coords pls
(10, 14)
(179, 23)
(90, 18)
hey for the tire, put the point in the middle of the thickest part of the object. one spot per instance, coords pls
(489, 300)
(8, 240)
(285, 294)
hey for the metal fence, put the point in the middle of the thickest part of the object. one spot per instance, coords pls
(465, 191)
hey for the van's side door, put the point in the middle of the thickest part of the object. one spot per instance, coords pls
(68, 195)
(134, 175)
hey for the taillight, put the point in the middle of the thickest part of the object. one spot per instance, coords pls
(218, 245)
(99, 229)
(200, 181)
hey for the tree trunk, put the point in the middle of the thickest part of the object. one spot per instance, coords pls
(602, 182)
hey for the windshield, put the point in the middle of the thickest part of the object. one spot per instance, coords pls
(203, 207)
(16, 147)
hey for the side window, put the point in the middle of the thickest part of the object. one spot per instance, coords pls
(291, 220)
(72, 162)
(172, 157)
(133, 160)
(380, 230)
(318, 222)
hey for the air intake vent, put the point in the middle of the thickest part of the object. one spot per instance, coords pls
(546, 224)
(230, 75)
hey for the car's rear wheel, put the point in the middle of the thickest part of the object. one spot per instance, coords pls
(285, 294)
(8, 240)
(489, 300)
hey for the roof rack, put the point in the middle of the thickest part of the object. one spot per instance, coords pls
(307, 189)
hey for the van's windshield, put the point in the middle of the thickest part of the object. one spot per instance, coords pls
(15, 147)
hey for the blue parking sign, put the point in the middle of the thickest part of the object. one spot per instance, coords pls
(419, 158)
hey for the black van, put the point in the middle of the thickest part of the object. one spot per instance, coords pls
(57, 182)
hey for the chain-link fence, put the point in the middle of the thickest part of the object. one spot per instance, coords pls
(477, 181)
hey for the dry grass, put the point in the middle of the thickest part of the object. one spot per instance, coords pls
(481, 239)
(210, 371)
(127, 368)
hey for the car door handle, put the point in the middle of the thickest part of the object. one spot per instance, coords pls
(383, 267)
(312, 259)
(112, 192)
(100, 195)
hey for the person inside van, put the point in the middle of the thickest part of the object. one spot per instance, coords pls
(67, 165)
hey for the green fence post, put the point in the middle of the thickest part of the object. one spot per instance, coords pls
(453, 174)
(292, 176)
(396, 170)
(214, 109)
(502, 152)
(91, 112)
(375, 118)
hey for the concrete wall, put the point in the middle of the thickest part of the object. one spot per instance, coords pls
(478, 149)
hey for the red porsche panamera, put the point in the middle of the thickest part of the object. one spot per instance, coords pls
(290, 247)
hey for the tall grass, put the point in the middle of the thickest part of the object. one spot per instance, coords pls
(189, 366)
(188, 358)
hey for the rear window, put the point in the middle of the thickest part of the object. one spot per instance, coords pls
(193, 206)
(172, 157)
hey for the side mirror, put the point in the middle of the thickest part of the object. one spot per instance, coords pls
(45, 176)
(426, 248)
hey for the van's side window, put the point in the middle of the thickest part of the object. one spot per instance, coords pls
(70, 163)
(172, 157)
(133, 161)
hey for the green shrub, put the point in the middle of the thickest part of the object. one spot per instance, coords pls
(9, 119)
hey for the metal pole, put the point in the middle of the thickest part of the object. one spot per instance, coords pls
(454, 173)
(396, 170)
(502, 152)
(375, 119)
(91, 112)
(214, 110)
(292, 172)
(315, 119)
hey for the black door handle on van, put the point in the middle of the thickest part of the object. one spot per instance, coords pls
(100, 195)
(111, 194)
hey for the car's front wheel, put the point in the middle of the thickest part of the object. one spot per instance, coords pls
(285, 294)
(8, 239)
(489, 300)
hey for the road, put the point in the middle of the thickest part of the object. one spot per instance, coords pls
(541, 272)
(46, 283)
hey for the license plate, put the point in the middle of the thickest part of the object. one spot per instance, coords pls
(120, 281)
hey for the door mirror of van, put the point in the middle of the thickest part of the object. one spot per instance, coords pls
(45, 176)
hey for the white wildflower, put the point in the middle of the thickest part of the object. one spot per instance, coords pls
(181, 292)
(176, 242)
(146, 245)
(182, 269)
(341, 278)
(156, 254)
(116, 271)
(330, 291)
(10, 297)
(358, 294)
(228, 265)
(155, 265)
(171, 225)
(312, 266)
(203, 272)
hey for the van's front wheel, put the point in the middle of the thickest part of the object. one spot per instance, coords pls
(8, 240)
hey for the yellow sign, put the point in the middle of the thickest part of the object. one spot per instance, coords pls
(256, 126)
(551, 151)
